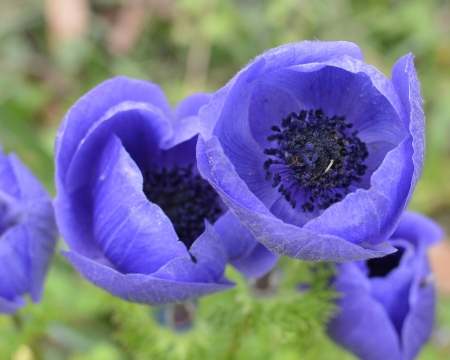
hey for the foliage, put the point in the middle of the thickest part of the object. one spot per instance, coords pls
(231, 325)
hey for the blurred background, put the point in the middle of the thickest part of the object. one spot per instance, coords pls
(53, 51)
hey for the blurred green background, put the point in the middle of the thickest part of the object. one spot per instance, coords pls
(53, 51)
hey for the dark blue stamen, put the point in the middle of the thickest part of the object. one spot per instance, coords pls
(315, 158)
(185, 198)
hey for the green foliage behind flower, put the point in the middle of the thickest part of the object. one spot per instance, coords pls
(187, 46)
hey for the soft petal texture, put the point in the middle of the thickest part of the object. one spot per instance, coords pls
(389, 316)
(177, 281)
(407, 85)
(244, 252)
(107, 144)
(330, 75)
(123, 225)
(361, 324)
(27, 234)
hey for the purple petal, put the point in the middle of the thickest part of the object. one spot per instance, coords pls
(11, 306)
(307, 52)
(91, 107)
(392, 291)
(418, 229)
(210, 261)
(339, 87)
(15, 265)
(244, 252)
(180, 149)
(286, 55)
(419, 322)
(141, 288)
(28, 233)
(362, 324)
(407, 85)
(141, 128)
(257, 263)
(134, 234)
(39, 223)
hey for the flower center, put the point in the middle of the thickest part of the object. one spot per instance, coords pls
(315, 158)
(185, 198)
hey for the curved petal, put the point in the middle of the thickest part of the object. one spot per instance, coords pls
(257, 263)
(39, 223)
(191, 105)
(41, 228)
(222, 106)
(140, 288)
(277, 236)
(418, 324)
(286, 55)
(11, 212)
(339, 87)
(209, 265)
(134, 234)
(92, 106)
(362, 325)
(392, 291)
(186, 118)
(180, 149)
(306, 52)
(244, 252)
(11, 306)
(407, 85)
(418, 229)
(8, 182)
(236, 238)
(15, 265)
(141, 127)
(27, 230)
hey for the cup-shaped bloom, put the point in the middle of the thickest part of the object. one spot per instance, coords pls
(27, 234)
(131, 205)
(315, 151)
(386, 308)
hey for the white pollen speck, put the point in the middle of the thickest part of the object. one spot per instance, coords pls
(102, 177)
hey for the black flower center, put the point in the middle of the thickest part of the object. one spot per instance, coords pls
(185, 198)
(383, 266)
(315, 158)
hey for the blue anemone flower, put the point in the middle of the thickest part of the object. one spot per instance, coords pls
(27, 234)
(387, 304)
(315, 151)
(130, 202)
